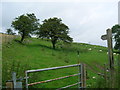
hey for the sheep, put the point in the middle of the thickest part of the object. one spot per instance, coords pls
(89, 49)
(107, 52)
(94, 77)
(100, 50)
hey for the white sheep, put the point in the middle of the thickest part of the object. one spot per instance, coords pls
(89, 49)
(100, 50)
(107, 52)
(94, 77)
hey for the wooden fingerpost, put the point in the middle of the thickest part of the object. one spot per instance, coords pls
(110, 49)
(110, 56)
(108, 37)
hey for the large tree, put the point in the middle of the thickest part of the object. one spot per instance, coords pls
(116, 36)
(26, 24)
(54, 29)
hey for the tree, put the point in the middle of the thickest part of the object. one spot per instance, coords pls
(26, 25)
(10, 32)
(116, 36)
(54, 29)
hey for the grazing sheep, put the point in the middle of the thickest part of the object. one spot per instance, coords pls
(107, 70)
(100, 50)
(117, 54)
(107, 52)
(89, 49)
(93, 77)
(114, 53)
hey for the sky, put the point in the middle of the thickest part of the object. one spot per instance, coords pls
(86, 19)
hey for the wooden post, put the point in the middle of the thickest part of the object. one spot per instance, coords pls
(79, 77)
(108, 37)
(105, 74)
(110, 57)
(84, 76)
(110, 49)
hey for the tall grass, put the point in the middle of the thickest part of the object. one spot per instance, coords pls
(108, 81)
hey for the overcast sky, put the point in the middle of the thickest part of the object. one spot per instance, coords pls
(87, 19)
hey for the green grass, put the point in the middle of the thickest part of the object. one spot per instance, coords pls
(38, 54)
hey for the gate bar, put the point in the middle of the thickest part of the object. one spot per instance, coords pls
(69, 86)
(37, 70)
(53, 79)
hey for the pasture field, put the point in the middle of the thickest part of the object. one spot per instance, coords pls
(38, 54)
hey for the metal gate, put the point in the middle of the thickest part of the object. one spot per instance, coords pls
(81, 82)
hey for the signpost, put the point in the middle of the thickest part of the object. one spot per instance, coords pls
(108, 37)
(104, 37)
(110, 49)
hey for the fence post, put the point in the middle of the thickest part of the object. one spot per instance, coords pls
(79, 80)
(105, 75)
(26, 80)
(84, 76)
(81, 75)
(14, 79)
(110, 56)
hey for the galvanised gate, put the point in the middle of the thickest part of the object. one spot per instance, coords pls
(81, 82)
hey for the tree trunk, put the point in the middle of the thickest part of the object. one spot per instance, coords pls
(23, 36)
(53, 43)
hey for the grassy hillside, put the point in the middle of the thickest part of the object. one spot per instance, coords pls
(38, 54)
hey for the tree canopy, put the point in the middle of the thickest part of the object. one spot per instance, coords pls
(25, 24)
(10, 32)
(116, 36)
(54, 29)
